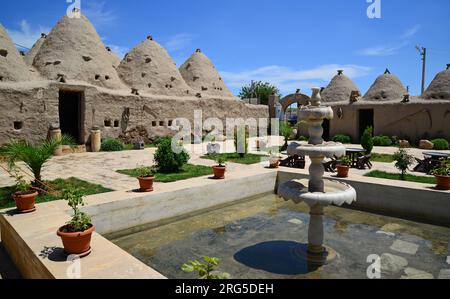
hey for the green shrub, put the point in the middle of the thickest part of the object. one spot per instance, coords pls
(345, 139)
(367, 140)
(303, 138)
(112, 145)
(382, 141)
(440, 144)
(167, 161)
(403, 162)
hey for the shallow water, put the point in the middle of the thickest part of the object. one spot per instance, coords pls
(264, 237)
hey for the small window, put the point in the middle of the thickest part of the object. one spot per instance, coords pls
(170, 123)
(97, 77)
(116, 124)
(153, 123)
(107, 123)
(161, 124)
(107, 77)
(18, 125)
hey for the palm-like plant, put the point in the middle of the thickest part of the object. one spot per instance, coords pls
(34, 156)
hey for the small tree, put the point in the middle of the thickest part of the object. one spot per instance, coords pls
(403, 161)
(367, 140)
(34, 156)
(286, 131)
(166, 159)
(260, 90)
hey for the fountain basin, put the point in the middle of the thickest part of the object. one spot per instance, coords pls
(314, 113)
(336, 193)
(327, 149)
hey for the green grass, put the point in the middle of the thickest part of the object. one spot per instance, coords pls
(130, 147)
(248, 159)
(384, 158)
(58, 185)
(188, 171)
(396, 176)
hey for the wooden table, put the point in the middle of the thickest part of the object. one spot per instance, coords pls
(354, 154)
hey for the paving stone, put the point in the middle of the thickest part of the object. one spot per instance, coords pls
(392, 264)
(296, 221)
(444, 274)
(405, 247)
(412, 273)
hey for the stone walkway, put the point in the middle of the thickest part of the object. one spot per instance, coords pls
(100, 168)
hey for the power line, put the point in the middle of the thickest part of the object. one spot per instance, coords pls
(23, 47)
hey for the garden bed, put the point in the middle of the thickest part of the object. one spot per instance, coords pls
(188, 171)
(396, 176)
(57, 185)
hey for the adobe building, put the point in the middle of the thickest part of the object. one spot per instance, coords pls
(386, 106)
(71, 80)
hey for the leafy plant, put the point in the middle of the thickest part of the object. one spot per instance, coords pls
(34, 156)
(22, 186)
(302, 138)
(346, 161)
(443, 169)
(205, 269)
(166, 159)
(145, 172)
(260, 90)
(241, 141)
(112, 145)
(441, 144)
(220, 160)
(286, 131)
(367, 140)
(382, 141)
(403, 162)
(341, 138)
(80, 221)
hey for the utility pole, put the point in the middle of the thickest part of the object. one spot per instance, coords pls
(423, 53)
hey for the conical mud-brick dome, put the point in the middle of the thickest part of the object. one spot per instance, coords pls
(439, 87)
(74, 49)
(387, 87)
(12, 65)
(200, 74)
(29, 57)
(149, 68)
(115, 60)
(339, 89)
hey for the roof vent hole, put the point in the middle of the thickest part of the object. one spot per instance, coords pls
(18, 125)
(87, 58)
(3, 52)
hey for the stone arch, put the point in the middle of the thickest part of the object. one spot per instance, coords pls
(299, 98)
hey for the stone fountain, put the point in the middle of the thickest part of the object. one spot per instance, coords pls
(317, 193)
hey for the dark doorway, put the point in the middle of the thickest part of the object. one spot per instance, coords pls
(326, 130)
(365, 120)
(70, 114)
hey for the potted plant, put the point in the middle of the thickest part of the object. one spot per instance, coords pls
(146, 176)
(442, 174)
(220, 168)
(76, 234)
(344, 167)
(274, 160)
(25, 195)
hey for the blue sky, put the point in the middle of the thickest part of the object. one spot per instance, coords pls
(290, 43)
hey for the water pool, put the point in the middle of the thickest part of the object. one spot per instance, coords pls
(262, 237)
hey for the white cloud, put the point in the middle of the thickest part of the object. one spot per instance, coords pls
(178, 42)
(288, 80)
(381, 50)
(26, 36)
(98, 14)
(411, 31)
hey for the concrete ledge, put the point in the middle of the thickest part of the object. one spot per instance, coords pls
(405, 200)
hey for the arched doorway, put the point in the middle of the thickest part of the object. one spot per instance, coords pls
(290, 105)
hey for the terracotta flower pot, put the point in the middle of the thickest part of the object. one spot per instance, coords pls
(275, 163)
(25, 201)
(78, 243)
(146, 183)
(219, 172)
(343, 171)
(443, 182)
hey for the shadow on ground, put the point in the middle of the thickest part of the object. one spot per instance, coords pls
(7, 268)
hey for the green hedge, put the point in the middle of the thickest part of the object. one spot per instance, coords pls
(112, 145)
(382, 141)
(440, 144)
(345, 139)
